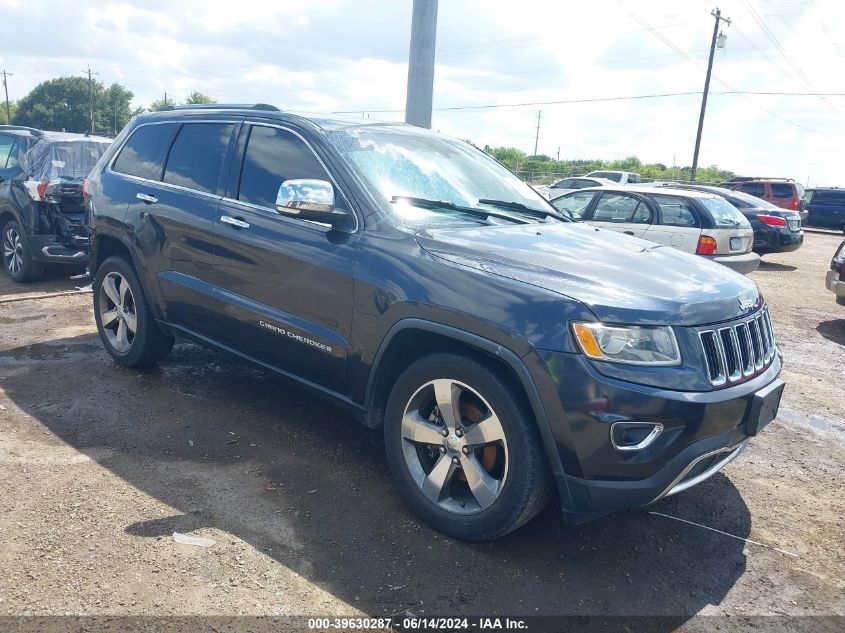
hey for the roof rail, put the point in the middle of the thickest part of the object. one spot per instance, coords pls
(750, 178)
(221, 106)
(23, 128)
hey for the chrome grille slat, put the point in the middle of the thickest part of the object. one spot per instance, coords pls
(738, 350)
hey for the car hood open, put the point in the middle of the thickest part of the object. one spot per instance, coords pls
(622, 279)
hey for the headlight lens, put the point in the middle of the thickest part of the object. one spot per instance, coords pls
(637, 345)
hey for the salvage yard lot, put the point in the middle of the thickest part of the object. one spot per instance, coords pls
(100, 465)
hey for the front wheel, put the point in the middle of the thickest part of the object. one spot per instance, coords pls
(124, 321)
(463, 448)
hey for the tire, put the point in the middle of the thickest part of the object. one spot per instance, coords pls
(480, 480)
(120, 306)
(17, 258)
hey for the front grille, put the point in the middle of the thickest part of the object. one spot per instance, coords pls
(738, 350)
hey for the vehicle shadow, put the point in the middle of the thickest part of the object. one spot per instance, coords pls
(833, 330)
(55, 279)
(774, 266)
(234, 447)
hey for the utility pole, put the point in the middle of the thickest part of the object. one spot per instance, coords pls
(421, 63)
(718, 15)
(558, 153)
(537, 135)
(6, 88)
(91, 95)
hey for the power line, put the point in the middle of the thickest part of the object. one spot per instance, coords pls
(663, 39)
(779, 47)
(491, 106)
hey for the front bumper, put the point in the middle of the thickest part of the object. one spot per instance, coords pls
(702, 432)
(744, 263)
(835, 285)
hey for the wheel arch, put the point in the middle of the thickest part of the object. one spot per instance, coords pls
(410, 339)
(105, 245)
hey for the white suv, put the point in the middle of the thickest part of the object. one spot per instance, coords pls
(619, 177)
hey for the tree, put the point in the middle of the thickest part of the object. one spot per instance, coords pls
(64, 103)
(160, 103)
(112, 110)
(198, 98)
(13, 106)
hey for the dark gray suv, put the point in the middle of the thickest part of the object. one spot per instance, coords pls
(508, 354)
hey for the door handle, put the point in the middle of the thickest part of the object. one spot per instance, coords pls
(235, 222)
(629, 232)
(146, 198)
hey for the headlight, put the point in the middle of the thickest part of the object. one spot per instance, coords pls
(631, 344)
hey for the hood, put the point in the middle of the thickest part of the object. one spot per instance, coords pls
(622, 279)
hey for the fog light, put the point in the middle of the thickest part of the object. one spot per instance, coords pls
(633, 436)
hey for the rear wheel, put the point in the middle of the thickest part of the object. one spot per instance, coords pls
(124, 321)
(17, 259)
(463, 450)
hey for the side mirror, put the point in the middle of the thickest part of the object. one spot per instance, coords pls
(310, 199)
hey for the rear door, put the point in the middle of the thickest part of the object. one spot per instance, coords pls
(677, 224)
(621, 212)
(177, 190)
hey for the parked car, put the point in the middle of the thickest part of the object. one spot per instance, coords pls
(835, 280)
(565, 185)
(781, 192)
(691, 221)
(42, 217)
(619, 177)
(505, 351)
(775, 230)
(826, 208)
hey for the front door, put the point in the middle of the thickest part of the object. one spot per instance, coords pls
(285, 284)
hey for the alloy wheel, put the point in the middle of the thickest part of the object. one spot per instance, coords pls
(118, 317)
(12, 251)
(454, 446)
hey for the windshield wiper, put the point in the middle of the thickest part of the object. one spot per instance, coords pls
(440, 205)
(524, 208)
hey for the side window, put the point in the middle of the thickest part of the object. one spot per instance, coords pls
(616, 207)
(754, 188)
(675, 211)
(782, 190)
(582, 183)
(143, 154)
(273, 156)
(7, 143)
(574, 203)
(197, 155)
(13, 161)
(566, 183)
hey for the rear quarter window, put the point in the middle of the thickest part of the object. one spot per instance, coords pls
(754, 188)
(782, 190)
(723, 213)
(144, 152)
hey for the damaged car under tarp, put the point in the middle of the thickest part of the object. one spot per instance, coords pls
(46, 221)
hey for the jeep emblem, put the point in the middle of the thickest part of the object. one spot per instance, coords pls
(745, 303)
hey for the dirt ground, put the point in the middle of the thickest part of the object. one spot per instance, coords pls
(100, 465)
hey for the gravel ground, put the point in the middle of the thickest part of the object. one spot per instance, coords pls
(102, 464)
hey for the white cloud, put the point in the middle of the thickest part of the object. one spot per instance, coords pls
(351, 55)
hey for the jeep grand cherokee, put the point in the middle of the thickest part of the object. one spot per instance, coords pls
(506, 352)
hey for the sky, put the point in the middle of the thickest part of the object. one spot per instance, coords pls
(351, 56)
